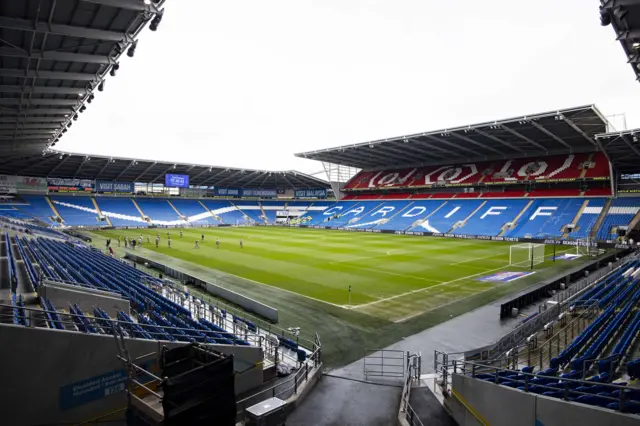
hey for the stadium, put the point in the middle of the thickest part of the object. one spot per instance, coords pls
(481, 274)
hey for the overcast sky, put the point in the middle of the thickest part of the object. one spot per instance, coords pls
(249, 83)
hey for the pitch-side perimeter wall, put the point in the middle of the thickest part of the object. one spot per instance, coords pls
(465, 236)
(474, 402)
(66, 377)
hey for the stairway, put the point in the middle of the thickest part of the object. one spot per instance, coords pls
(603, 214)
(177, 211)
(95, 204)
(577, 217)
(464, 222)
(142, 215)
(516, 219)
(53, 207)
(211, 213)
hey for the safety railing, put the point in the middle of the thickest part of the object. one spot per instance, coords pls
(412, 374)
(385, 363)
(286, 389)
(551, 385)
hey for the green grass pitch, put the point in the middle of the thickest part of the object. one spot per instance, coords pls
(392, 277)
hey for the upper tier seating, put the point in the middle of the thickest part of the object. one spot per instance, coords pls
(621, 212)
(563, 167)
(76, 211)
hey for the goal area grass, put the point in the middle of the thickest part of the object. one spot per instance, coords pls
(399, 284)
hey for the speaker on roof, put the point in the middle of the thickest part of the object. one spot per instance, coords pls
(605, 18)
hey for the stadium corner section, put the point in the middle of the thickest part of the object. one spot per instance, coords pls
(344, 331)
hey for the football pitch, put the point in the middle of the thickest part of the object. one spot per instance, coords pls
(390, 277)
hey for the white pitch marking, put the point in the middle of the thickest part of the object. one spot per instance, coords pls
(429, 288)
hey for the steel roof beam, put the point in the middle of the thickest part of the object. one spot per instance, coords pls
(28, 126)
(614, 4)
(497, 139)
(33, 132)
(25, 138)
(628, 35)
(82, 163)
(575, 127)
(135, 5)
(54, 55)
(213, 177)
(35, 111)
(476, 143)
(53, 75)
(39, 102)
(57, 165)
(131, 163)
(227, 177)
(163, 173)
(429, 146)
(523, 137)
(452, 145)
(548, 133)
(149, 167)
(64, 30)
(257, 175)
(43, 89)
(31, 119)
(205, 170)
(103, 168)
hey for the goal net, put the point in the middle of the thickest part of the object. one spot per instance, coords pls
(526, 255)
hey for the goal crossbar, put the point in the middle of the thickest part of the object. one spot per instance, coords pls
(526, 254)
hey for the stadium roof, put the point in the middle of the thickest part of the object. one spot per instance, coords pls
(57, 164)
(624, 17)
(557, 132)
(54, 54)
(623, 149)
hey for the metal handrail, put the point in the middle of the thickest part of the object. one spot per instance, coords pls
(302, 373)
(472, 369)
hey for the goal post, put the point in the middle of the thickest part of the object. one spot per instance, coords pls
(526, 255)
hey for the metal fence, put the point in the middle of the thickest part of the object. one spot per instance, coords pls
(385, 363)
(412, 374)
(286, 389)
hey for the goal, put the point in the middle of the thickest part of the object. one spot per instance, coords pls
(526, 255)
(587, 247)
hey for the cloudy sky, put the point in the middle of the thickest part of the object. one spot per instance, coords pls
(249, 83)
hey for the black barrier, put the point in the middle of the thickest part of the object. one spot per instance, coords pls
(601, 244)
(543, 289)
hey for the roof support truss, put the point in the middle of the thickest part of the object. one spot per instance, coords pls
(56, 55)
(145, 171)
(523, 137)
(548, 133)
(57, 165)
(65, 30)
(452, 145)
(476, 143)
(55, 75)
(163, 173)
(131, 163)
(497, 139)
